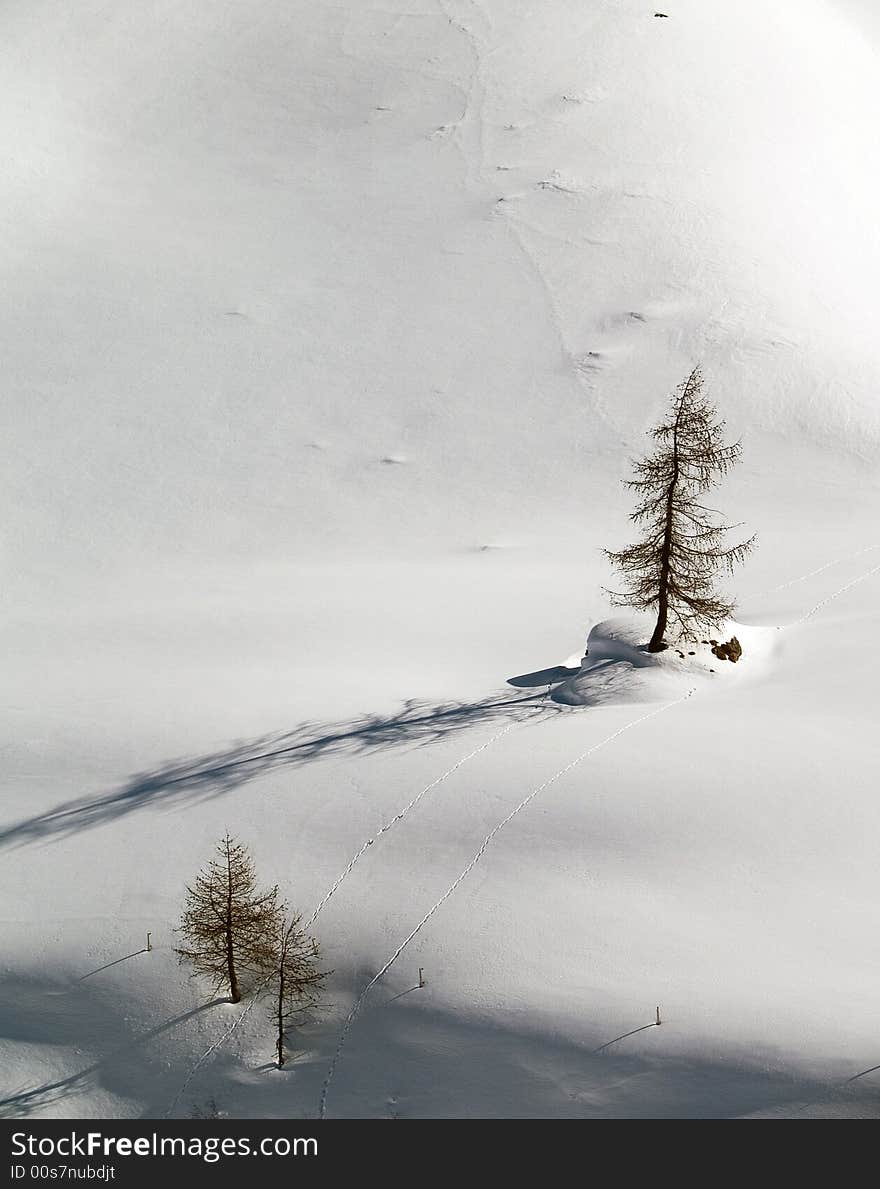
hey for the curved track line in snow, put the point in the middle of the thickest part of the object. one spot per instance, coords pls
(813, 573)
(835, 595)
(209, 1052)
(401, 814)
(352, 1015)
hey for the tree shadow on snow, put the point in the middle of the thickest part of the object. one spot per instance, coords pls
(406, 1057)
(416, 723)
(48, 1013)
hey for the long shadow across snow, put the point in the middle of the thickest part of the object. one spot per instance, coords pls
(211, 775)
(22, 1102)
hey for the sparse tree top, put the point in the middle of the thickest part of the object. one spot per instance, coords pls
(228, 925)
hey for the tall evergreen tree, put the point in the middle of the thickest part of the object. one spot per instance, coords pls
(229, 927)
(673, 567)
(297, 980)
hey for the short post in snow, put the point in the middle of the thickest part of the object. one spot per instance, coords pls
(149, 944)
(658, 1021)
(421, 978)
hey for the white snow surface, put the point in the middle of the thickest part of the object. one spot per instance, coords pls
(328, 333)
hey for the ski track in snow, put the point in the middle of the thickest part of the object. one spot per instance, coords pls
(488, 839)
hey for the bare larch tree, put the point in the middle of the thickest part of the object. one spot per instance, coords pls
(297, 979)
(229, 927)
(673, 568)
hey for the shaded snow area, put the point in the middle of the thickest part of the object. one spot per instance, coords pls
(329, 332)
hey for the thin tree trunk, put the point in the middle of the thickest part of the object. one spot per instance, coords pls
(655, 644)
(234, 993)
(281, 1012)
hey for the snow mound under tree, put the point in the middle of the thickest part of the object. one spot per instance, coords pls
(618, 668)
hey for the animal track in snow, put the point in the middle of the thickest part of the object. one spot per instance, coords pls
(352, 1016)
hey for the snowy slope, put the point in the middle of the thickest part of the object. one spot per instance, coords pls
(328, 333)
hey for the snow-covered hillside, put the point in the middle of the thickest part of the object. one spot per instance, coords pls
(328, 333)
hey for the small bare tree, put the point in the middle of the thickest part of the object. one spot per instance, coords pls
(228, 926)
(297, 980)
(673, 568)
